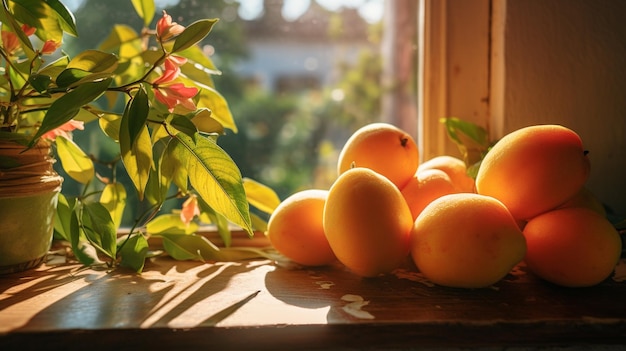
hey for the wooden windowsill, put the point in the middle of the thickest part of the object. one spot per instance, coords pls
(259, 304)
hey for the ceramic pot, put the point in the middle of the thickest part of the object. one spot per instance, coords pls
(29, 189)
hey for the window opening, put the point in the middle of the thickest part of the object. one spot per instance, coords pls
(299, 77)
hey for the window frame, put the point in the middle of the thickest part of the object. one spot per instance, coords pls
(453, 69)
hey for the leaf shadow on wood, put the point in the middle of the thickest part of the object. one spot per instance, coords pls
(37, 281)
(168, 293)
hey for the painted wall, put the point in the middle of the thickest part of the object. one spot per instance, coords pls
(564, 62)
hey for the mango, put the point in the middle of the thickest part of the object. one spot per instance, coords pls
(466, 240)
(534, 169)
(367, 222)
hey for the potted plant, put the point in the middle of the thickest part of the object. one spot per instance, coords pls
(166, 131)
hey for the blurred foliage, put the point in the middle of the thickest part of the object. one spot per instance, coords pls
(288, 141)
(362, 90)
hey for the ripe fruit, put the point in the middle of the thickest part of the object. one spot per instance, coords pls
(295, 228)
(534, 169)
(367, 222)
(466, 240)
(585, 198)
(455, 168)
(426, 186)
(383, 148)
(573, 247)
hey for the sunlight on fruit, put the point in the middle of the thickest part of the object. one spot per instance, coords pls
(295, 229)
(383, 210)
(383, 148)
(466, 240)
(367, 222)
(534, 169)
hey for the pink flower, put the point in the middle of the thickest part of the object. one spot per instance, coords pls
(172, 69)
(166, 29)
(10, 42)
(64, 130)
(190, 209)
(49, 47)
(177, 60)
(28, 30)
(172, 95)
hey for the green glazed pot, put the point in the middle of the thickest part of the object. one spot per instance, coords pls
(29, 189)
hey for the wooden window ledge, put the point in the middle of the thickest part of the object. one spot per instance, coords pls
(259, 304)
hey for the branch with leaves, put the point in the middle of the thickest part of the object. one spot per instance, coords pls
(167, 132)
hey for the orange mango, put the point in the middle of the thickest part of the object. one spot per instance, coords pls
(367, 222)
(384, 148)
(534, 169)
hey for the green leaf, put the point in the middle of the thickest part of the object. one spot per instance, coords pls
(99, 228)
(40, 15)
(198, 59)
(74, 161)
(74, 77)
(198, 67)
(193, 34)
(94, 61)
(86, 253)
(137, 113)
(110, 125)
(65, 16)
(134, 252)
(472, 140)
(205, 123)
(189, 247)
(145, 9)
(183, 124)
(170, 223)
(54, 68)
(172, 165)
(70, 76)
(137, 155)
(62, 218)
(199, 248)
(156, 190)
(214, 101)
(83, 250)
(40, 82)
(113, 198)
(216, 178)
(87, 66)
(219, 220)
(457, 128)
(68, 105)
(261, 196)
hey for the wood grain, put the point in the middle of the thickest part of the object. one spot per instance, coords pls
(260, 304)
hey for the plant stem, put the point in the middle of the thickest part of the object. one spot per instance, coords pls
(145, 218)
